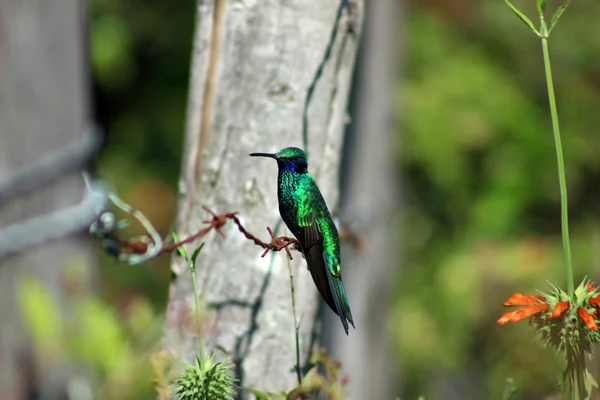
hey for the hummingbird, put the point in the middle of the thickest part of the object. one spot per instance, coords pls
(306, 215)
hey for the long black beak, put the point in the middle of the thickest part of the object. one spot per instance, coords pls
(263, 155)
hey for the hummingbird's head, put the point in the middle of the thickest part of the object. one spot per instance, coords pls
(290, 159)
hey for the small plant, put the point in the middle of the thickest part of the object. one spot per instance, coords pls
(206, 381)
(566, 320)
(329, 383)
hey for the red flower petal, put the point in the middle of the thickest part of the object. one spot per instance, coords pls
(587, 318)
(560, 308)
(519, 299)
(590, 287)
(594, 301)
(522, 313)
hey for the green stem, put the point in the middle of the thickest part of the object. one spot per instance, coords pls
(576, 382)
(561, 163)
(197, 307)
(296, 326)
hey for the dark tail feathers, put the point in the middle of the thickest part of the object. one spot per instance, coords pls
(341, 300)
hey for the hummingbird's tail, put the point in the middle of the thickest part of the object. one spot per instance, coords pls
(341, 300)
(330, 286)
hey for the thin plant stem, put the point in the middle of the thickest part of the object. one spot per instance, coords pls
(560, 160)
(191, 262)
(296, 326)
(197, 310)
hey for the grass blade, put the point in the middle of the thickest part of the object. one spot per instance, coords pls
(541, 6)
(558, 14)
(522, 16)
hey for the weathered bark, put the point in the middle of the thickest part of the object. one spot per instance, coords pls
(43, 107)
(252, 64)
(370, 206)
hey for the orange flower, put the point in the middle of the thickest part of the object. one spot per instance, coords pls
(590, 287)
(563, 307)
(519, 299)
(555, 315)
(559, 309)
(533, 304)
(594, 301)
(589, 320)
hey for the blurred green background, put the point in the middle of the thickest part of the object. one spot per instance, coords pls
(479, 178)
(483, 209)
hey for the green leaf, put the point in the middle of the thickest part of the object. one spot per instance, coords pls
(558, 14)
(590, 382)
(195, 254)
(180, 249)
(541, 6)
(522, 16)
(259, 395)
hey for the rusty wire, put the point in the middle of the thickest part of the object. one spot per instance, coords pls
(139, 245)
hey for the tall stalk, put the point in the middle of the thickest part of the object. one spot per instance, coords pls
(562, 181)
(543, 33)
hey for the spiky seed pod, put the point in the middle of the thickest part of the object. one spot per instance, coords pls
(212, 383)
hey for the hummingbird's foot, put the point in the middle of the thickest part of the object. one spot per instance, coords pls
(296, 246)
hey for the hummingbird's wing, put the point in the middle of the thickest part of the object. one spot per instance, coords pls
(324, 269)
(311, 239)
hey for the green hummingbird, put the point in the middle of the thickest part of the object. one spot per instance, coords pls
(305, 213)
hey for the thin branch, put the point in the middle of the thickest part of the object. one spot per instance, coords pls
(319, 72)
(296, 326)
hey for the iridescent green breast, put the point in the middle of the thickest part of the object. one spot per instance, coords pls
(288, 182)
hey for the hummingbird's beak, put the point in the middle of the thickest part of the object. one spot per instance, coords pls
(270, 155)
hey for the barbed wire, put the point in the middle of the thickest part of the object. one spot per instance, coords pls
(149, 245)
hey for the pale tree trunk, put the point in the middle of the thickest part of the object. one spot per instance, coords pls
(370, 206)
(252, 64)
(43, 107)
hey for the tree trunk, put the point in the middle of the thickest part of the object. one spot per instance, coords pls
(370, 206)
(43, 108)
(251, 66)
